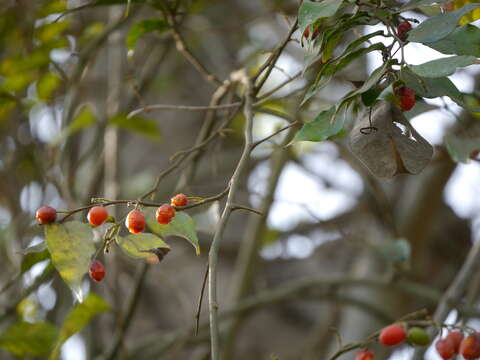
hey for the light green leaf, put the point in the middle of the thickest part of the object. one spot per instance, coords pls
(181, 225)
(461, 147)
(417, 3)
(321, 128)
(137, 246)
(82, 120)
(71, 249)
(143, 27)
(78, 318)
(24, 338)
(442, 67)
(464, 40)
(140, 125)
(439, 26)
(310, 12)
(430, 87)
(46, 85)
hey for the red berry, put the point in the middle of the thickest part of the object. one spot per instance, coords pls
(407, 98)
(135, 222)
(445, 348)
(46, 215)
(179, 200)
(474, 154)
(97, 215)
(456, 337)
(402, 29)
(96, 271)
(470, 346)
(364, 355)
(164, 214)
(392, 335)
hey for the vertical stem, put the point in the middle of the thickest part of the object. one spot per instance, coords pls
(234, 184)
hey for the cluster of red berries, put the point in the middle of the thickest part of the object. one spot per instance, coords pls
(448, 347)
(135, 223)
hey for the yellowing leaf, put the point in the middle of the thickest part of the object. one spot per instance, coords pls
(71, 249)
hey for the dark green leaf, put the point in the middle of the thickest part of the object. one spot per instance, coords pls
(25, 338)
(443, 67)
(181, 225)
(137, 246)
(71, 249)
(33, 258)
(464, 40)
(78, 318)
(321, 128)
(439, 26)
(310, 12)
(140, 125)
(143, 27)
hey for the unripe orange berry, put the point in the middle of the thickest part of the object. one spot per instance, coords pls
(135, 222)
(470, 346)
(46, 215)
(179, 200)
(392, 335)
(97, 215)
(96, 271)
(364, 355)
(165, 214)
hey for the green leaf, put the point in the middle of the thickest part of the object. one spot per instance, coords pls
(417, 3)
(461, 147)
(143, 27)
(430, 87)
(439, 26)
(321, 128)
(137, 246)
(33, 258)
(82, 120)
(464, 40)
(310, 12)
(50, 31)
(443, 67)
(78, 318)
(71, 249)
(137, 124)
(23, 338)
(46, 85)
(372, 80)
(181, 225)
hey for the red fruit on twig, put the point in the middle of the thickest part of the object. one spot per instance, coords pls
(364, 355)
(406, 97)
(402, 29)
(165, 214)
(46, 215)
(392, 335)
(470, 346)
(135, 222)
(97, 215)
(179, 200)
(96, 271)
(445, 348)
